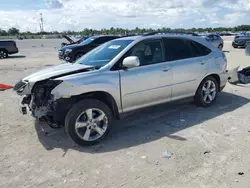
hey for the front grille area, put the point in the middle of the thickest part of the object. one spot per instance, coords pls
(19, 85)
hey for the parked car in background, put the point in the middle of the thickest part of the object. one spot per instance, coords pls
(7, 48)
(241, 41)
(71, 53)
(120, 76)
(215, 39)
(71, 41)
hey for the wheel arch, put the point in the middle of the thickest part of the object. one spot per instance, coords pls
(4, 50)
(102, 96)
(78, 52)
(215, 76)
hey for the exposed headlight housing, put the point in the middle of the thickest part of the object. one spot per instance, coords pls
(19, 87)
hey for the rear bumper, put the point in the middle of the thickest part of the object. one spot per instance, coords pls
(223, 80)
(14, 51)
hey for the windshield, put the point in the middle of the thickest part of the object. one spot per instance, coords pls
(88, 40)
(104, 54)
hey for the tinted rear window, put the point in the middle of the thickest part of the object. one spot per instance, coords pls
(199, 49)
(177, 48)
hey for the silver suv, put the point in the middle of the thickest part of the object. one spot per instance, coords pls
(215, 39)
(120, 76)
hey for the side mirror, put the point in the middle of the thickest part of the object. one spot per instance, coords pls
(131, 61)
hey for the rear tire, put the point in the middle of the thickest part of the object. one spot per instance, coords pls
(3, 54)
(82, 122)
(220, 46)
(207, 91)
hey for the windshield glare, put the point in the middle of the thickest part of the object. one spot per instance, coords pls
(104, 54)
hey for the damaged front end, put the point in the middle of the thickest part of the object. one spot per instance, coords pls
(37, 88)
(40, 102)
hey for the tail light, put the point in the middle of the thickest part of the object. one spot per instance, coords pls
(15, 44)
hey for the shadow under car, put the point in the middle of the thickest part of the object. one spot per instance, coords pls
(146, 125)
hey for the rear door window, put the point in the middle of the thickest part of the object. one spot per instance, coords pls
(177, 49)
(199, 49)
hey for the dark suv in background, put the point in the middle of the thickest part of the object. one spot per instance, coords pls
(240, 41)
(71, 53)
(7, 48)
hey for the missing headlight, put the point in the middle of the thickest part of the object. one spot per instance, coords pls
(42, 91)
(20, 86)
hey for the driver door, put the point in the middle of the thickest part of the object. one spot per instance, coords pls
(150, 83)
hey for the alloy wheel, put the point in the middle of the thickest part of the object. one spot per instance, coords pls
(209, 91)
(3, 54)
(91, 124)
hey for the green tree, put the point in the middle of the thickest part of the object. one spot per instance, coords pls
(3, 32)
(13, 31)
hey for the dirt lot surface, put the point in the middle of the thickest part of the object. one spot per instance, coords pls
(207, 148)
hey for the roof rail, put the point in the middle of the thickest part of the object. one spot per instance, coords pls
(171, 32)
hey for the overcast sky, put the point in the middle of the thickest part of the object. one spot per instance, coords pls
(79, 14)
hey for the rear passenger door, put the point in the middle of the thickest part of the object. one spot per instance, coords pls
(186, 57)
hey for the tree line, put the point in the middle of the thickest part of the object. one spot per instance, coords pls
(112, 30)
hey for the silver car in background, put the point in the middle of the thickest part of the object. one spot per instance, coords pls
(120, 76)
(215, 39)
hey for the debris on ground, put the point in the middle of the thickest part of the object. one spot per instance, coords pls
(207, 152)
(167, 155)
(143, 157)
(241, 173)
(137, 177)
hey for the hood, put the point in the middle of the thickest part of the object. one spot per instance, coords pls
(57, 71)
(71, 46)
(242, 38)
(68, 39)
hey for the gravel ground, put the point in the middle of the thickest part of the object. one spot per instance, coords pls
(206, 147)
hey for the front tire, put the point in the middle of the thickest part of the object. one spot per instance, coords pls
(207, 91)
(88, 122)
(3, 54)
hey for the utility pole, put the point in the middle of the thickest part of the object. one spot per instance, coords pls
(41, 22)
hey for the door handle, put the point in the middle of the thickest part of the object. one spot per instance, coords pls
(165, 69)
